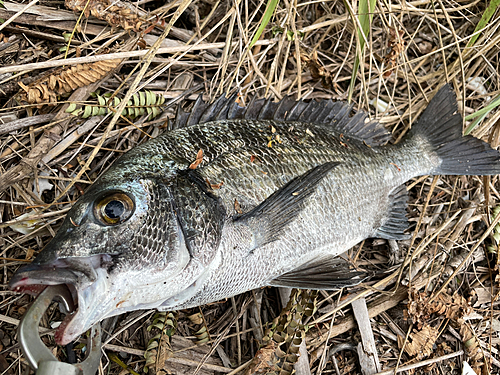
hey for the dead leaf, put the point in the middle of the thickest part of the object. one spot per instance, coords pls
(4, 365)
(30, 253)
(420, 343)
(217, 186)
(397, 45)
(420, 307)
(65, 80)
(483, 296)
(318, 72)
(196, 318)
(107, 10)
(237, 207)
(264, 360)
(199, 159)
(472, 346)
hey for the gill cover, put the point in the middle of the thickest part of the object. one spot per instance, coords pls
(182, 215)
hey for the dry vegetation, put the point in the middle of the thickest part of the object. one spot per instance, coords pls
(442, 296)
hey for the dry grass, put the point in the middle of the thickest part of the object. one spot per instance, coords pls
(452, 273)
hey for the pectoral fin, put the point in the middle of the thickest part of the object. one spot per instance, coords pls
(330, 273)
(269, 218)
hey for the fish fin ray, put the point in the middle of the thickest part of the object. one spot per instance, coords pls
(334, 116)
(441, 126)
(198, 109)
(181, 118)
(253, 109)
(267, 108)
(328, 114)
(328, 273)
(201, 112)
(280, 208)
(217, 110)
(397, 222)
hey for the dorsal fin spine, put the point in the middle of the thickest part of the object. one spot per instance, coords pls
(327, 114)
(198, 108)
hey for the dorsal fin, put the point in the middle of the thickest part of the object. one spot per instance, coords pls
(327, 113)
(196, 112)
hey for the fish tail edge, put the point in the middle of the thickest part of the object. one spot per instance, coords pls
(441, 126)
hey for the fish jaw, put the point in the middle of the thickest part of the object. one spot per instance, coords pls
(105, 293)
(89, 309)
(120, 292)
(86, 280)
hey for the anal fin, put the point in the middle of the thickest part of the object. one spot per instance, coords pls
(328, 273)
(396, 222)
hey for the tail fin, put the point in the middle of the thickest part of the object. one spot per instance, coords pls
(441, 126)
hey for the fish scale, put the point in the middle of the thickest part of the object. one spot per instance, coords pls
(220, 138)
(276, 165)
(306, 238)
(274, 169)
(282, 192)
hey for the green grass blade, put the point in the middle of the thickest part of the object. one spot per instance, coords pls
(113, 357)
(365, 15)
(481, 114)
(488, 13)
(271, 6)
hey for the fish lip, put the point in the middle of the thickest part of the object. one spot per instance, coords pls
(79, 276)
(29, 279)
(33, 279)
(78, 272)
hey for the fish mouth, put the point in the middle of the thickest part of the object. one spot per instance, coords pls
(79, 277)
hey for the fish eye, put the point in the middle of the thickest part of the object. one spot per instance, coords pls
(114, 208)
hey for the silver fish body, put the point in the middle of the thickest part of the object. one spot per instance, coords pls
(275, 195)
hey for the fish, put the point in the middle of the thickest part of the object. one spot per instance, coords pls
(234, 198)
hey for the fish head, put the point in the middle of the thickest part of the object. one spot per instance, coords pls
(127, 246)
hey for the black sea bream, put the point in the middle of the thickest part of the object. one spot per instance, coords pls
(239, 198)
